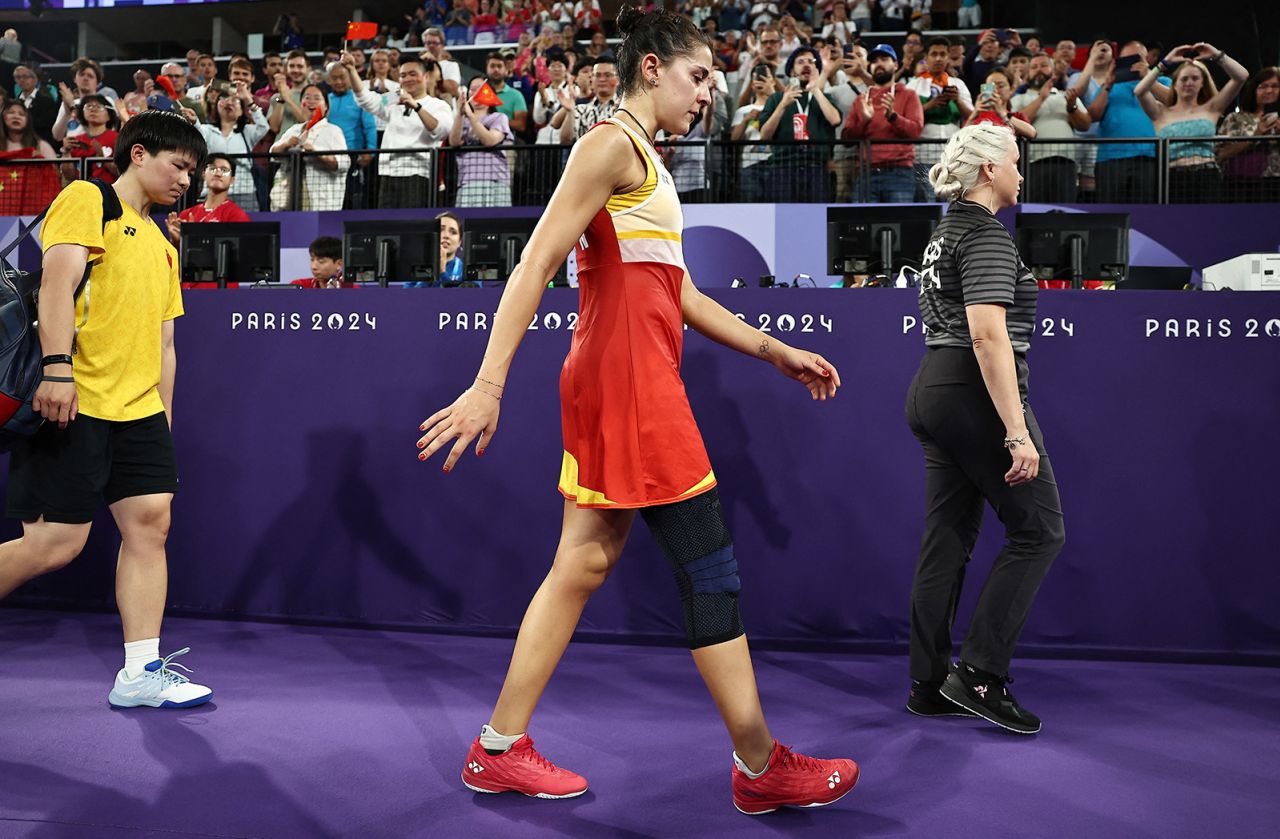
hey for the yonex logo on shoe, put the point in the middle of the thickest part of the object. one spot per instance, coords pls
(981, 690)
(833, 781)
(475, 767)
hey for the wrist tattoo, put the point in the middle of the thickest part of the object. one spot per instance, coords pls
(764, 348)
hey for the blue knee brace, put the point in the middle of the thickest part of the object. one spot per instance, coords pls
(693, 536)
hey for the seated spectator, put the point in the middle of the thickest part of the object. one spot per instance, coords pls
(1052, 168)
(945, 105)
(29, 188)
(98, 139)
(1194, 109)
(484, 177)
(450, 262)
(1032, 45)
(272, 66)
(602, 105)
(217, 206)
(416, 119)
(993, 105)
(1064, 54)
(41, 108)
(433, 44)
(887, 111)
(801, 112)
(324, 178)
(237, 125)
(326, 265)
(1252, 168)
(838, 26)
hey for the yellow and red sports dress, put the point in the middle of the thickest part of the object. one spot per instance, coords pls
(629, 435)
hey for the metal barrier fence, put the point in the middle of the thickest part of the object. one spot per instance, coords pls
(1069, 171)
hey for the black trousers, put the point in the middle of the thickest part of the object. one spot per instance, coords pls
(1195, 184)
(951, 413)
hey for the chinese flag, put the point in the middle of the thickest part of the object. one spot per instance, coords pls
(486, 96)
(26, 189)
(362, 31)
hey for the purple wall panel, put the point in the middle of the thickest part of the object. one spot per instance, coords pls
(302, 497)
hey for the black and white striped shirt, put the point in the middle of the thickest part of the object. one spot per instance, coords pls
(972, 259)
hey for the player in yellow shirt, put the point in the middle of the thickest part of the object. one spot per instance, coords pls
(107, 397)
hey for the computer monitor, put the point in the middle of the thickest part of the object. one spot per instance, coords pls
(391, 251)
(245, 252)
(866, 240)
(1074, 246)
(491, 247)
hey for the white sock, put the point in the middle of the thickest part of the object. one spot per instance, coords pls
(742, 767)
(495, 742)
(138, 654)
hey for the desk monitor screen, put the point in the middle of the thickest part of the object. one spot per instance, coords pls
(875, 240)
(1074, 246)
(246, 252)
(391, 251)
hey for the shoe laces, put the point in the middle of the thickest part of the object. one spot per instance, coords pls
(169, 677)
(795, 760)
(534, 756)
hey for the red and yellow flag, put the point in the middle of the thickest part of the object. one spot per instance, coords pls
(361, 30)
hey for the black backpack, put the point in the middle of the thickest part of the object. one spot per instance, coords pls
(20, 352)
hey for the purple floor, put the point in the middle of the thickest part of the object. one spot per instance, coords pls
(339, 732)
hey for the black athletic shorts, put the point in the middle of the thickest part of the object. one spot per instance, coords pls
(65, 475)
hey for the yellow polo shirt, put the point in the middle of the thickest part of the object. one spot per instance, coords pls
(135, 287)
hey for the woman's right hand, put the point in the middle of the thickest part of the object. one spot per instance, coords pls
(1269, 124)
(1026, 461)
(473, 414)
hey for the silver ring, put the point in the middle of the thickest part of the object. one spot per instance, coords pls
(1024, 469)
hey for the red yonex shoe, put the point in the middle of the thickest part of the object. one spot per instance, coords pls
(522, 770)
(793, 780)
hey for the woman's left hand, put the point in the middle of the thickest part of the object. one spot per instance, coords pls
(808, 368)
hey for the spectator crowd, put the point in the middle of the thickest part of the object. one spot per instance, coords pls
(398, 121)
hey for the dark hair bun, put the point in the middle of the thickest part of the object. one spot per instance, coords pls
(629, 19)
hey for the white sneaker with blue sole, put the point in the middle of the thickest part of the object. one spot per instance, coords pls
(159, 686)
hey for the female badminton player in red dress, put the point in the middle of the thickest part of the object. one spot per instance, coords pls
(630, 441)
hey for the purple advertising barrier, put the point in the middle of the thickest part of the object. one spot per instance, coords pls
(296, 415)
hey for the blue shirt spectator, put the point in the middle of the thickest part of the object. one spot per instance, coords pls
(1124, 117)
(357, 124)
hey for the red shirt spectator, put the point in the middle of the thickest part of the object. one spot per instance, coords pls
(906, 125)
(228, 210)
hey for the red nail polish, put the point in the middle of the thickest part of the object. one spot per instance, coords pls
(446, 468)
(480, 453)
(420, 444)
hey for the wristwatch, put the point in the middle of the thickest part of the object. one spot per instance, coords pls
(417, 106)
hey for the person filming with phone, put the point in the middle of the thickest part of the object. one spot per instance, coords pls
(1192, 111)
(1252, 167)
